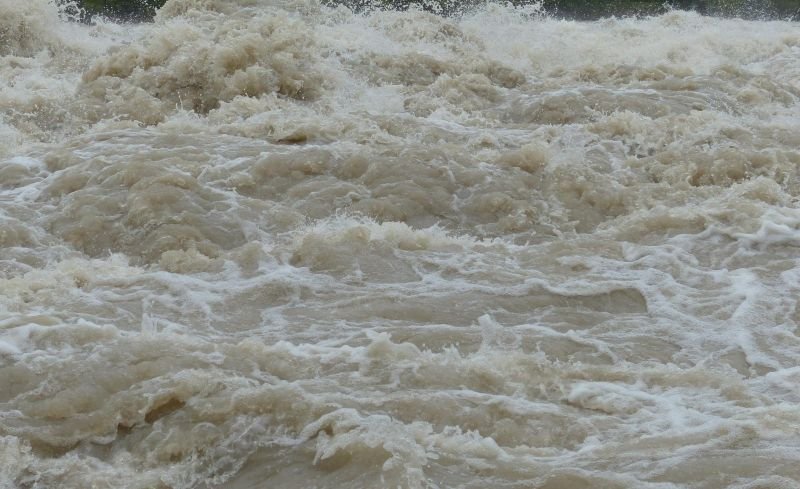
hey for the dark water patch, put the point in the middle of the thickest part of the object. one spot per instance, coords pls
(142, 10)
(125, 10)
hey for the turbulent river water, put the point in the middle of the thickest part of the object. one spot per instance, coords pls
(273, 244)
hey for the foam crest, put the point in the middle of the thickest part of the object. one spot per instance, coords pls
(199, 64)
(26, 27)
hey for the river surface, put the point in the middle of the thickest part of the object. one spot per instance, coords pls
(271, 244)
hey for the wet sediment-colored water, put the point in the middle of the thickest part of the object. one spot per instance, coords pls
(271, 244)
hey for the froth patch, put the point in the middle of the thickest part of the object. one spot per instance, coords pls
(367, 250)
(17, 458)
(61, 281)
(466, 92)
(15, 233)
(188, 261)
(142, 208)
(26, 27)
(197, 65)
(10, 138)
(201, 8)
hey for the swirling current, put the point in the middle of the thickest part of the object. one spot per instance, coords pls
(278, 244)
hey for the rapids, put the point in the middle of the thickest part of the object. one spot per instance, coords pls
(275, 244)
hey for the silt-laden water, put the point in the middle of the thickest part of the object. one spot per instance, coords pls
(271, 244)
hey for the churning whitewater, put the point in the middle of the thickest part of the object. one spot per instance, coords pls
(275, 244)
